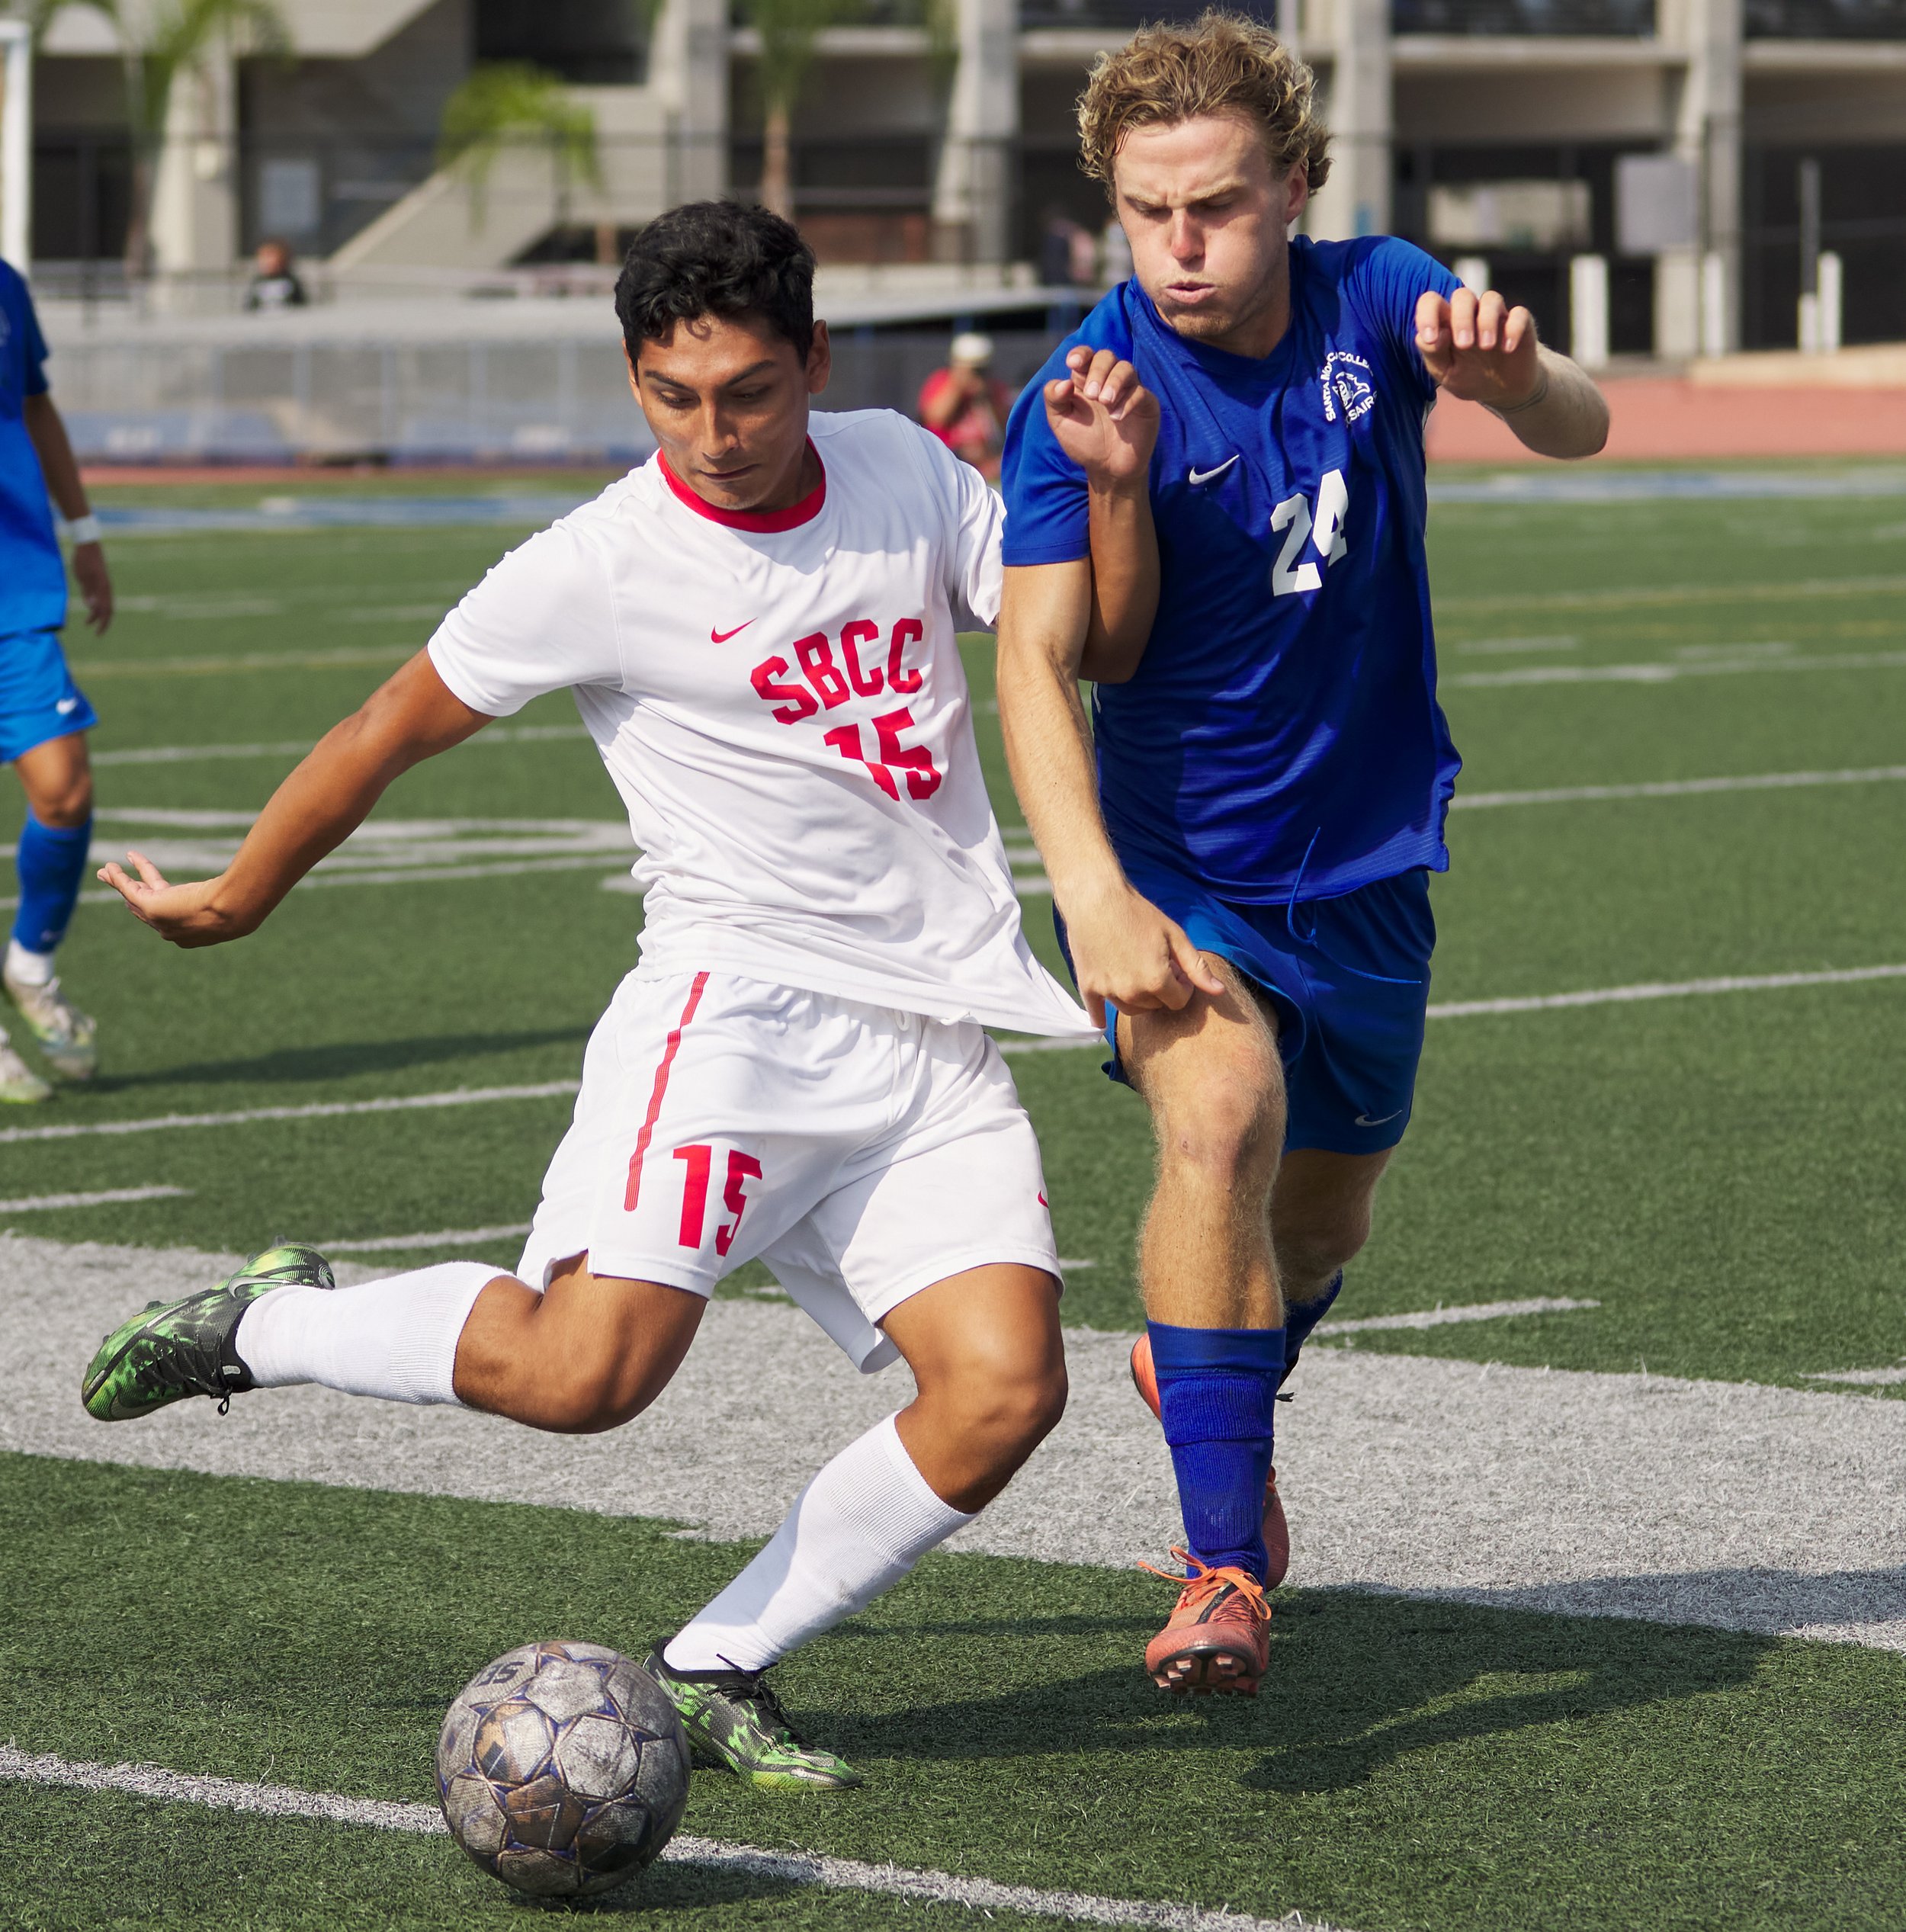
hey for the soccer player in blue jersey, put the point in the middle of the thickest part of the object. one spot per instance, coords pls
(1242, 881)
(44, 716)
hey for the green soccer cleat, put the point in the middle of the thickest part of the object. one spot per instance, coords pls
(735, 1723)
(20, 1086)
(67, 1037)
(176, 1348)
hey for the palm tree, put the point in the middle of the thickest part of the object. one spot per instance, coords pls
(506, 101)
(159, 43)
(789, 30)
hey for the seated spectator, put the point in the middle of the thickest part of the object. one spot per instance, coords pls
(966, 406)
(275, 282)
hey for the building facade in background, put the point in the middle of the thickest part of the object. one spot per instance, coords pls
(1669, 139)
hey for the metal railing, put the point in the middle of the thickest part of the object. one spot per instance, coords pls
(1588, 18)
(1825, 20)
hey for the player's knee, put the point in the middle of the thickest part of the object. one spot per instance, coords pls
(65, 805)
(1231, 1127)
(1011, 1408)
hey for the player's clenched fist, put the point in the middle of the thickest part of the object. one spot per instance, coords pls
(1102, 416)
(1126, 951)
(1478, 348)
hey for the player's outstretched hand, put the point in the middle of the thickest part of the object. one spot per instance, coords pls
(1128, 952)
(1478, 347)
(185, 914)
(1102, 416)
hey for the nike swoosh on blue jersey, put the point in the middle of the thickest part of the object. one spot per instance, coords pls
(1205, 476)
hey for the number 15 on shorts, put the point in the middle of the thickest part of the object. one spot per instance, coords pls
(697, 1162)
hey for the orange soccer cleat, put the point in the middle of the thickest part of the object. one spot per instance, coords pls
(1219, 1636)
(1277, 1532)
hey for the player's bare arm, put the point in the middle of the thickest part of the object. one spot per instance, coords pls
(69, 493)
(1105, 419)
(1123, 949)
(1481, 350)
(412, 717)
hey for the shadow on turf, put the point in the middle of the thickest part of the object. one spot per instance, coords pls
(1357, 1682)
(294, 1065)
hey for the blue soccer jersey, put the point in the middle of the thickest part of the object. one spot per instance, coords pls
(33, 576)
(1282, 738)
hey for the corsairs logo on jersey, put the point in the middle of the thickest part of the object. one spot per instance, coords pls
(1345, 382)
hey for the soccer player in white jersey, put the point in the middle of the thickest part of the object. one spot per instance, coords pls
(758, 625)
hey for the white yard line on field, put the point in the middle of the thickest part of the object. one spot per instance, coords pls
(153, 1781)
(1571, 1493)
(104, 1197)
(1667, 673)
(1571, 794)
(461, 1096)
(1616, 995)
(504, 734)
(449, 1237)
(1539, 1304)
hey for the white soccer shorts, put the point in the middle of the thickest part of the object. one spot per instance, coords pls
(862, 1153)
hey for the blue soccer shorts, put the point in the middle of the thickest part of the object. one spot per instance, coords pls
(1348, 979)
(38, 699)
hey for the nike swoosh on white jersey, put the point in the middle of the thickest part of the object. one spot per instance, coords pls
(1364, 1120)
(1205, 476)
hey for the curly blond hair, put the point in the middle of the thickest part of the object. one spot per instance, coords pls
(1222, 63)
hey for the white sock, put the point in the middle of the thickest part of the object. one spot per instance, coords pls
(855, 1531)
(396, 1338)
(26, 968)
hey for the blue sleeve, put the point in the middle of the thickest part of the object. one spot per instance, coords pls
(18, 304)
(1044, 490)
(1389, 279)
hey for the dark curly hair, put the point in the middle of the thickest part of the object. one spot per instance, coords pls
(716, 258)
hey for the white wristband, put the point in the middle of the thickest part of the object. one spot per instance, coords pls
(83, 529)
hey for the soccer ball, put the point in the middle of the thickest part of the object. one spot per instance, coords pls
(563, 1769)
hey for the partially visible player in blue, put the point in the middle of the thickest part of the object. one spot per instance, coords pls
(1242, 881)
(44, 716)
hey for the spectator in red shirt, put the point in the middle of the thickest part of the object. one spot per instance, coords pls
(966, 406)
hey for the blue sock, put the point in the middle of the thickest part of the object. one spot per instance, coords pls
(1300, 1317)
(52, 861)
(1216, 1388)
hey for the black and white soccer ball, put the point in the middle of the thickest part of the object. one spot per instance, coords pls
(563, 1769)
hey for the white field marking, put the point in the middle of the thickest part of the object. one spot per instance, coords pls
(1567, 1492)
(382, 851)
(104, 1197)
(462, 1096)
(1540, 1305)
(1666, 673)
(1615, 995)
(1507, 646)
(258, 660)
(1805, 589)
(1864, 1378)
(520, 734)
(450, 1237)
(153, 1781)
(1570, 794)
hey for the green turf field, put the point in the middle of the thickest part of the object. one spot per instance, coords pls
(1718, 1171)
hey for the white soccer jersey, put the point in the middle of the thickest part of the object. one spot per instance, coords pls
(779, 699)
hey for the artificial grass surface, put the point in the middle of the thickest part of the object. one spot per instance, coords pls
(1408, 1763)
(1714, 1172)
